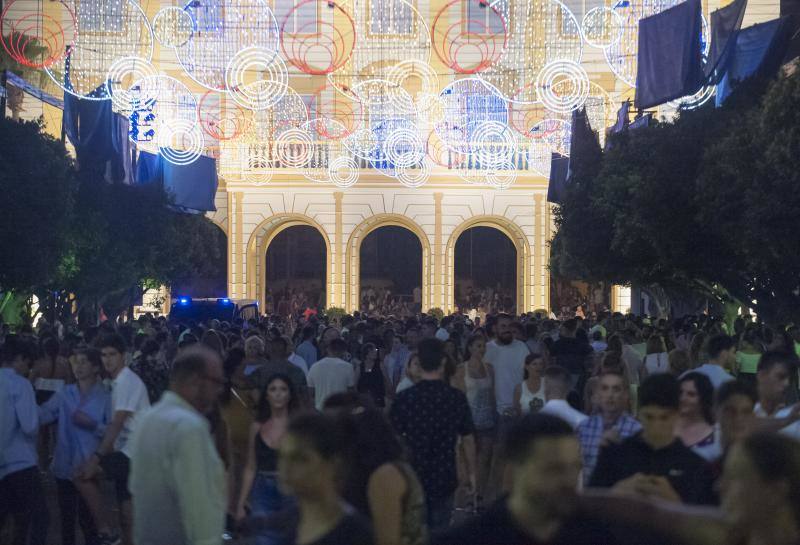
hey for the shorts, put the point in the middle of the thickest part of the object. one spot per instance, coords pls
(117, 467)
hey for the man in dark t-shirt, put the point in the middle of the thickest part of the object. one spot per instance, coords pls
(430, 417)
(654, 462)
(545, 462)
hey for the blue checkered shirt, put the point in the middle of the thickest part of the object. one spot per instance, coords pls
(590, 434)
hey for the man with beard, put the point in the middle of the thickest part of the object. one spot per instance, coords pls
(545, 463)
(507, 356)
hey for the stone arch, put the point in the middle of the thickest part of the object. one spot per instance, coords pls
(361, 231)
(524, 256)
(257, 246)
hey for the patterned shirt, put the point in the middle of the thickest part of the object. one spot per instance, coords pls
(430, 416)
(590, 434)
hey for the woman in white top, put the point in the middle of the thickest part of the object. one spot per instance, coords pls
(476, 379)
(529, 394)
(657, 359)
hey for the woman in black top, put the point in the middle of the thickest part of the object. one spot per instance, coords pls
(311, 460)
(372, 379)
(259, 480)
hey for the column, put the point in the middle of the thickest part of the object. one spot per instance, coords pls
(237, 286)
(539, 273)
(336, 289)
(439, 283)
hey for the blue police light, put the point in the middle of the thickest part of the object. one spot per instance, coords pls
(184, 300)
(224, 301)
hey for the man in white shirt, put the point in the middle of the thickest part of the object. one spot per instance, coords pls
(774, 370)
(721, 356)
(177, 478)
(556, 387)
(507, 356)
(330, 375)
(128, 399)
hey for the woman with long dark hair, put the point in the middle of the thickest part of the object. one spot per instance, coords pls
(695, 425)
(372, 377)
(277, 402)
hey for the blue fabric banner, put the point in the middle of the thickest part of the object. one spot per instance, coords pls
(725, 23)
(559, 166)
(192, 186)
(88, 125)
(756, 47)
(670, 62)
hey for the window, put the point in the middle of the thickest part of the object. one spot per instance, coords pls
(105, 17)
(302, 20)
(390, 17)
(208, 15)
(484, 19)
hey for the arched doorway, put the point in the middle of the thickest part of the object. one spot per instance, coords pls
(212, 281)
(570, 298)
(485, 267)
(295, 270)
(390, 271)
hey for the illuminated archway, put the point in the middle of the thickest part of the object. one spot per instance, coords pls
(524, 287)
(354, 249)
(257, 246)
(485, 264)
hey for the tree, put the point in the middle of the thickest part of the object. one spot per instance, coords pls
(128, 238)
(37, 183)
(705, 202)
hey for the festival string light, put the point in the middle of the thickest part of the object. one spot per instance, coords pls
(330, 88)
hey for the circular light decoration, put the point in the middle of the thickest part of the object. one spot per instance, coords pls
(389, 32)
(417, 80)
(703, 95)
(404, 148)
(562, 86)
(173, 26)
(121, 75)
(330, 103)
(602, 27)
(157, 102)
(290, 111)
(468, 102)
(363, 143)
(622, 55)
(440, 154)
(220, 117)
(501, 177)
(492, 143)
(221, 30)
(343, 172)
(547, 137)
(414, 177)
(256, 78)
(540, 32)
(321, 44)
(469, 36)
(106, 31)
(258, 170)
(293, 148)
(180, 142)
(35, 37)
(325, 150)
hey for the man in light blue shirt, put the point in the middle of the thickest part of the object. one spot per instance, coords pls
(306, 349)
(21, 493)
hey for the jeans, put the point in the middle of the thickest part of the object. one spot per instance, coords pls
(73, 508)
(22, 497)
(266, 499)
(440, 511)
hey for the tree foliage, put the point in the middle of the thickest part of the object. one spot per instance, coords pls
(37, 185)
(65, 231)
(707, 202)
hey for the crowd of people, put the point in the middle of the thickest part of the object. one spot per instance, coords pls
(483, 300)
(382, 301)
(402, 431)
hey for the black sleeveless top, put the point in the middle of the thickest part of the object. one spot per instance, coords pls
(266, 456)
(371, 382)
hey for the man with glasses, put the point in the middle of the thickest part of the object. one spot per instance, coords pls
(177, 477)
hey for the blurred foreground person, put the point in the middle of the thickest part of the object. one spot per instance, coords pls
(177, 478)
(544, 460)
(309, 468)
(760, 500)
